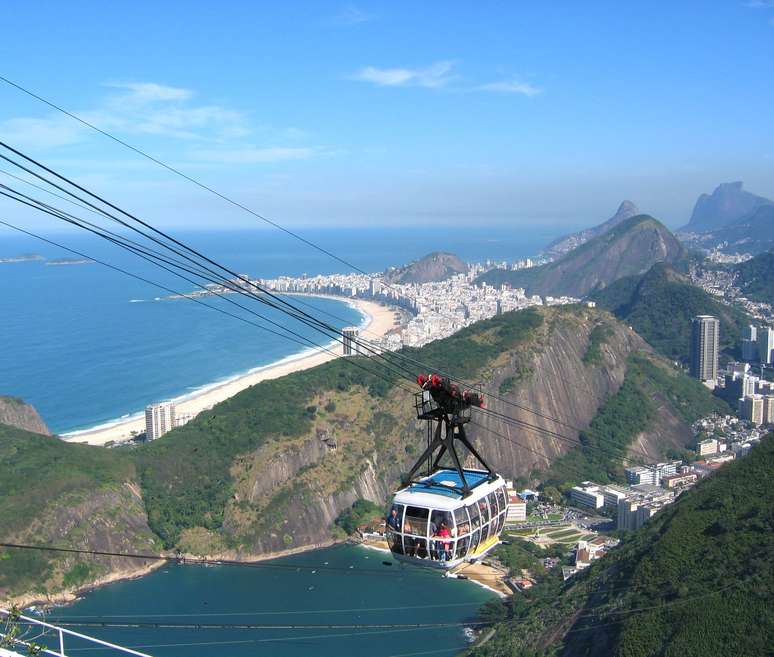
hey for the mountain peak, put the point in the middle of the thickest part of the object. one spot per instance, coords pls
(728, 203)
(567, 243)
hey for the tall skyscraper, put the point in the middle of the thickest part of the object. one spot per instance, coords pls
(705, 336)
(765, 344)
(159, 418)
(349, 336)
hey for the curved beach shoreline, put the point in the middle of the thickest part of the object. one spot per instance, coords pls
(378, 321)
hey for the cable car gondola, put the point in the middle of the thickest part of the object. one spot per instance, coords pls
(451, 514)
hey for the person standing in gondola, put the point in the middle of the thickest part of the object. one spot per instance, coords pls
(393, 520)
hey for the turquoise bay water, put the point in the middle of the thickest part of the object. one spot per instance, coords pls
(350, 585)
(87, 345)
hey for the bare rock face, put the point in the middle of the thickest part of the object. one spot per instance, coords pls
(555, 381)
(17, 413)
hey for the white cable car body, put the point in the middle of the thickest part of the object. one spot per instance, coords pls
(452, 514)
(474, 522)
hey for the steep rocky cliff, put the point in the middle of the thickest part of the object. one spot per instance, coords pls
(17, 413)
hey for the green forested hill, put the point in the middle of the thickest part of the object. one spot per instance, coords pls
(696, 581)
(660, 304)
(755, 278)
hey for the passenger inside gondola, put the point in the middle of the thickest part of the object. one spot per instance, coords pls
(443, 546)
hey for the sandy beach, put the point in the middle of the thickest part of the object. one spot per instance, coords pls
(380, 319)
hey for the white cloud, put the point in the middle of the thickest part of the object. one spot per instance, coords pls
(433, 77)
(352, 15)
(150, 91)
(252, 155)
(215, 133)
(510, 87)
(760, 4)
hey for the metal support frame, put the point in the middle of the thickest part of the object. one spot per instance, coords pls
(61, 632)
(448, 430)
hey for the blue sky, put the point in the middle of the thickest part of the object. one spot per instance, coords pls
(321, 113)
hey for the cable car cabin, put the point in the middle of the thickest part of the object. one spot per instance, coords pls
(436, 525)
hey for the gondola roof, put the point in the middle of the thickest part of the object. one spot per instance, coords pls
(435, 490)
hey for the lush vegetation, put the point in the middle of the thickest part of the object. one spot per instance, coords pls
(599, 335)
(755, 277)
(694, 582)
(631, 410)
(660, 304)
(361, 512)
(186, 478)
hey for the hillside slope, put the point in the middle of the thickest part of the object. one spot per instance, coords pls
(17, 413)
(694, 582)
(55, 493)
(567, 243)
(270, 469)
(755, 278)
(629, 249)
(659, 305)
(727, 204)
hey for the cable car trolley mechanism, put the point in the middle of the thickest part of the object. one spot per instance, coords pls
(448, 514)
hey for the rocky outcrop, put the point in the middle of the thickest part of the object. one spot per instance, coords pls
(17, 413)
(561, 386)
(567, 243)
(432, 268)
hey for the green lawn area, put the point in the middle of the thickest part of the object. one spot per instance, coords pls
(563, 534)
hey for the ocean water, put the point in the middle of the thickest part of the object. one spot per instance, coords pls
(343, 585)
(88, 345)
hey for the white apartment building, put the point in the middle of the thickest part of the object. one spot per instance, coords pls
(587, 494)
(159, 418)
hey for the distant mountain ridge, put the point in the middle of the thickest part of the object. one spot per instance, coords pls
(629, 249)
(727, 205)
(434, 267)
(567, 243)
